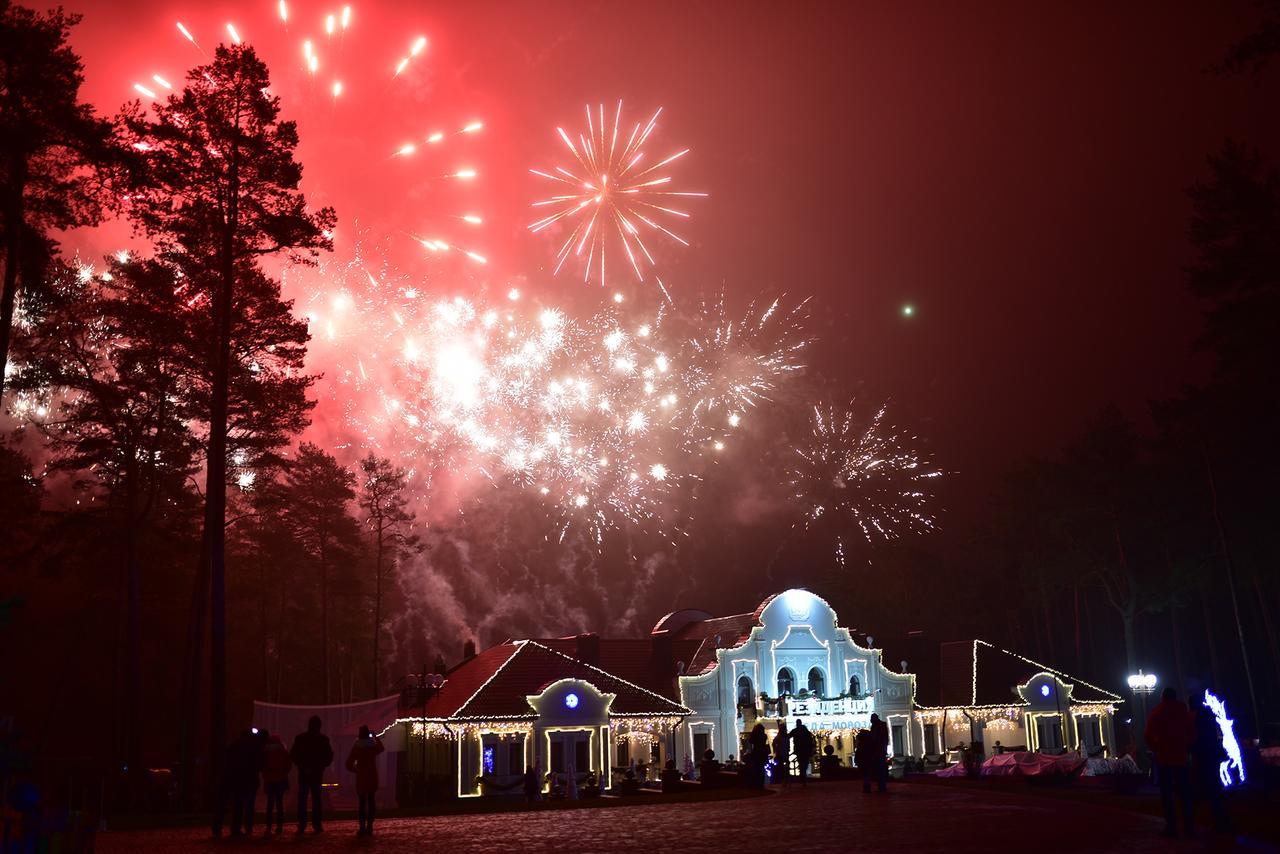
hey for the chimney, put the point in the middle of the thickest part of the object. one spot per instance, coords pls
(589, 648)
(468, 650)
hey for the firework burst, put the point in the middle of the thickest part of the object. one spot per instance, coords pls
(864, 474)
(733, 363)
(611, 197)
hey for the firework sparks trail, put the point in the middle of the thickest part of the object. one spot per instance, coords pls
(610, 197)
(340, 89)
(864, 474)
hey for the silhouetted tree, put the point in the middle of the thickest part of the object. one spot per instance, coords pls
(116, 352)
(383, 501)
(48, 141)
(20, 496)
(312, 499)
(220, 186)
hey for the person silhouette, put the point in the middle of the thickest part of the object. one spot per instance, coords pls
(312, 753)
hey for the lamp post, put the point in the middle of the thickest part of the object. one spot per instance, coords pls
(1141, 684)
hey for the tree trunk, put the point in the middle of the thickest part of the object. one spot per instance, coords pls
(1208, 639)
(324, 617)
(1177, 652)
(1048, 623)
(1127, 617)
(133, 644)
(1075, 591)
(1231, 586)
(1267, 625)
(377, 608)
(215, 505)
(14, 215)
(188, 706)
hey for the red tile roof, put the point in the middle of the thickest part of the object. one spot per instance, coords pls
(733, 631)
(636, 660)
(496, 684)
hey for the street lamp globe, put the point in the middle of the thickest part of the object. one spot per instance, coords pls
(1141, 682)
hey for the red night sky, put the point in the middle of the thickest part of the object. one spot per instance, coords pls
(1014, 171)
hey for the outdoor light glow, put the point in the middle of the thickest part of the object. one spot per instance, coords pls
(571, 700)
(1044, 690)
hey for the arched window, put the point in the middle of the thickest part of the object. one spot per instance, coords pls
(817, 682)
(855, 687)
(786, 681)
(746, 694)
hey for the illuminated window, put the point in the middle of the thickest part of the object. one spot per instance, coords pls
(855, 687)
(786, 681)
(817, 682)
(746, 694)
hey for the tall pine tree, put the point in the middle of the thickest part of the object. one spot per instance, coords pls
(220, 186)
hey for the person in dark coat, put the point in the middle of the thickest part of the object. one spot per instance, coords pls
(782, 754)
(532, 783)
(363, 762)
(878, 743)
(1207, 755)
(758, 742)
(804, 745)
(862, 757)
(312, 754)
(239, 784)
(276, 766)
(1170, 732)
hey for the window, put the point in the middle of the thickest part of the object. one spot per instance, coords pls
(624, 753)
(582, 754)
(701, 743)
(557, 756)
(487, 760)
(1049, 732)
(786, 681)
(817, 682)
(855, 686)
(746, 694)
(1089, 728)
(931, 744)
(899, 740)
(515, 756)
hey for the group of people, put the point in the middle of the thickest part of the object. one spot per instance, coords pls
(1185, 744)
(871, 754)
(258, 754)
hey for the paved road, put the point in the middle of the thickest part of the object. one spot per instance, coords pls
(834, 817)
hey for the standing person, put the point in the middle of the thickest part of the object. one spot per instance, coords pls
(532, 783)
(804, 744)
(276, 766)
(879, 746)
(782, 752)
(1170, 732)
(239, 784)
(312, 754)
(363, 762)
(862, 758)
(759, 745)
(1207, 756)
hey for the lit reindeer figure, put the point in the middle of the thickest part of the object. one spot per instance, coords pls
(1229, 743)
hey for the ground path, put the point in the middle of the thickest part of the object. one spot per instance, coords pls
(831, 817)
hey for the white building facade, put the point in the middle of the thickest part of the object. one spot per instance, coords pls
(795, 662)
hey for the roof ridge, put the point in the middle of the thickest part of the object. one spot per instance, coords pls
(606, 673)
(519, 648)
(1059, 673)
